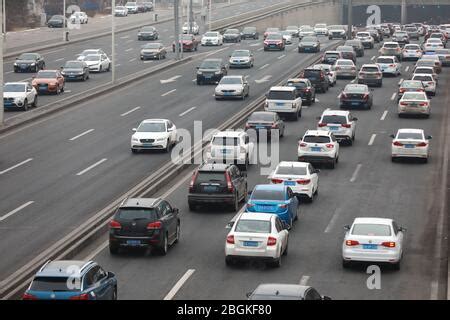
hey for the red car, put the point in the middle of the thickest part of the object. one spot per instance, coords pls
(274, 41)
(188, 41)
(48, 81)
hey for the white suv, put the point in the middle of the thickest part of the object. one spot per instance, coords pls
(231, 146)
(154, 134)
(340, 122)
(389, 64)
(285, 100)
(318, 146)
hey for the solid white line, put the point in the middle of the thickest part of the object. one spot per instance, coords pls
(67, 91)
(281, 57)
(148, 61)
(91, 167)
(393, 96)
(168, 92)
(128, 49)
(372, 139)
(55, 51)
(255, 45)
(15, 210)
(304, 280)
(130, 111)
(124, 37)
(384, 115)
(60, 59)
(134, 59)
(260, 49)
(15, 166)
(332, 221)
(81, 134)
(179, 284)
(355, 174)
(264, 66)
(187, 111)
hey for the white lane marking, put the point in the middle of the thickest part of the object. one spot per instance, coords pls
(373, 58)
(168, 92)
(91, 167)
(59, 50)
(281, 57)
(187, 111)
(179, 284)
(264, 66)
(8, 72)
(9, 214)
(317, 100)
(172, 79)
(60, 59)
(148, 61)
(194, 80)
(255, 45)
(400, 82)
(128, 50)
(15, 166)
(263, 79)
(81, 134)
(134, 59)
(67, 91)
(332, 221)
(260, 49)
(393, 96)
(384, 115)
(355, 174)
(130, 111)
(407, 68)
(124, 37)
(304, 280)
(372, 139)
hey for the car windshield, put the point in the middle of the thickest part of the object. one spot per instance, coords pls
(423, 78)
(232, 31)
(259, 116)
(424, 70)
(231, 80)
(369, 229)
(345, 63)
(27, 56)
(253, 226)
(13, 87)
(430, 57)
(369, 69)
(281, 95)
(274, 36)
(86, 52)
(240, 53)
(334, 119)
(208, 64)
(390, 45)
(345, 49)
(363, 34)
(400, 34)
(151, 46)
(148, 29)
(93, 57)
(249, 30)
(52, 284)
(331, 55)
(410, 135)
(385, 60)
(46, 74)
(56, 18)
(262, 194)
(136, 213)
(297, 84)
(316, 139)
(73, 65)
(414, 96)
(351, 88)
(412, 47)
(120, 8)
(309, 39)
(411, 29)
(427, 63)
(225, 141)
(307, 29)
(211, 34)
(434, 41)
(411, 84)
(210, 176)
(152, 127)
(291, 170)
(312, 73)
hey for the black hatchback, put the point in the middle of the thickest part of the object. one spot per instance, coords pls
(144, 223)
(211, 71)
(317, 77)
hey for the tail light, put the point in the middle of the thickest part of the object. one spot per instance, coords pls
(274, 126)
(366, 96)
(346, 125)
(423, 104)
(351, 243)
(284, 206)
(304, 181)
(422, 144)
(308, 90)
(402, 90)
(83, 296)
(230, 239)
(271, 241)
(154, 225)
(329, 146)
(397, 144)
(27, 296)
(229, 184)
(388, 244)
(194, 177)
(321, 124)
(276, 181)
(403, 104)
(115, 225)
(302, 144)
(343, 96)
(392, 65)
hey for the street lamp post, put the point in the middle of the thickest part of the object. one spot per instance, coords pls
(64, 21)
(210, 14)
(350, 19)
(1, 68)
(177, 28)
(113, 42)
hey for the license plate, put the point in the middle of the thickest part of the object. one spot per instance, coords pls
(355, 103)
(250, 243)
(227, 93)
(208, 77)
(289, 183)
(316, 149)
(260, 127)
(409, 146)
(134, 242)
(265, 208)
(210, 188)
(279, 104)
(226, 151)
(334, 128)
(370, 246)
(71, 76)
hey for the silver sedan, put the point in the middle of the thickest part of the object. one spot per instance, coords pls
(232, 87)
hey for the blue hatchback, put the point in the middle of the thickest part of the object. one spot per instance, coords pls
(72, 280)
(276, 199)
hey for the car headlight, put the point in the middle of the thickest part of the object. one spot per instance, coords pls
(199, 73)
(33, 64)
(161, 139)
(217, 72)
(15, 63)
(134, 139)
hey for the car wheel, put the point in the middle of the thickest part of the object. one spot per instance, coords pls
(192, 207)
(25, 105)
(134, 150)
(333, 164)
(228, 261)
(285, 252)
(425, 160)
(393, 159)
(177, 236)
(295, 116)
(277, 262)
(114, 295)
(34, 105)
(235, 206)
(345, 264)
(100, 69)
(113, 249)
(167, 149)
(165, 246)
(396, 266)
(296, 213)
(62, 89)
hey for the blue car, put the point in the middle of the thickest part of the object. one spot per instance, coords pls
(276, 199)
(72, 280)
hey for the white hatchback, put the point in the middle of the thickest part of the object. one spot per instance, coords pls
(318, 146)
(411, 51)
(428, 82)
(340, 122)
(414, 103)
(257, 235)
(301, 177)
(410, 143)
(373, 240)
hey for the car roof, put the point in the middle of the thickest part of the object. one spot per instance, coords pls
(229, 134)
(234, 76)
(17, 82)
(64, 268)
(336, 112)
(213, 167)
(213, 59)
(342, 60)
(140, 202)
(281, 289)
(273, 187)
(293, 164)
(317, 133)
(332, 51)
(154, 120)
(297, 80)
(373, 65)
(265, 112)
(390, 42)
(410, 130)
(423, 75)
(425, 67)
(284, 88)
(373, 220)
(256, 216)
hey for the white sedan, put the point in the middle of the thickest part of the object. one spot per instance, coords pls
(301, 177)
(257, 236)
(414, 103)
(389, 64)
(212, 38)
(410, 143)
(85, 53)
(433, 44)
(98, 62)
(373, 240)
(194, 26)
(19, 95)
(411, 51)
(154, 134)
(79, 18)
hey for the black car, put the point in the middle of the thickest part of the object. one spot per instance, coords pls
(29, 62)
(250, 33)
(148, 33)
(57, 21)
(144, 223)
(232, 35)
(330, 57)
(265, 120)
(375, 35)
(75, 70)
(356, 95)
(309, 44)
(357, 46)
(211, 71)
(219, 184)
(281, 291)
(317, 77)
(305, 89)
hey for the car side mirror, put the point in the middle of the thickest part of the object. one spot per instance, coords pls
(229, 225)
(316, 170)
(248, 295)
(249, 193)
(175, 210)
(392, 136)
(285, 225)
(134, 129)
(111, 275)
(429, 137)
(326, 298)
(318, 118)
(402, 229)
(347, 227)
